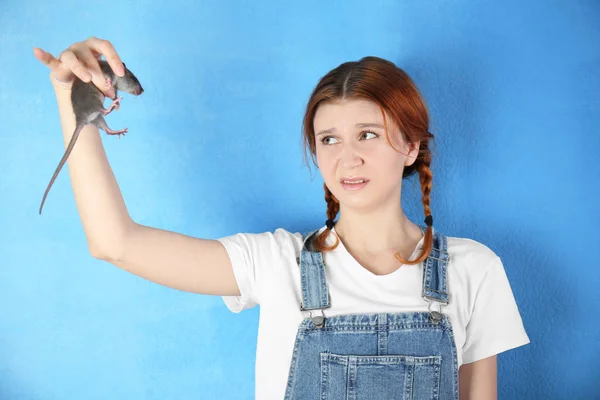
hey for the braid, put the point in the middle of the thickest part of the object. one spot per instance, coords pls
(426, 178)
(333, 207)
(422, 165)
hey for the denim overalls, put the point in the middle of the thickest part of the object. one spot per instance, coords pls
(408, 355)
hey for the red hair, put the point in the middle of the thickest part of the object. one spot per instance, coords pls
(380, 81)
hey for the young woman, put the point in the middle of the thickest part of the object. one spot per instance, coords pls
(371, 306)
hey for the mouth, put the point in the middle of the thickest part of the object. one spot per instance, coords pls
(355, 183)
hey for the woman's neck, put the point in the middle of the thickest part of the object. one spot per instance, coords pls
(377, 236)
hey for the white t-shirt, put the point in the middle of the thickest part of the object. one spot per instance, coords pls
(482, 309)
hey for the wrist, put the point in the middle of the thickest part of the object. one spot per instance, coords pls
(58, 84)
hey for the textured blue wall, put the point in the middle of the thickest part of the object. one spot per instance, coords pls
(214, 148)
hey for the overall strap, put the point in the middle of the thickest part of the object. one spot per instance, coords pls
(315, 295)
(435, 284)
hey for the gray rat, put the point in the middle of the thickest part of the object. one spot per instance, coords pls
(88, 106)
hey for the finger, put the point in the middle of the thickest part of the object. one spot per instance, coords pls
(69, 59)
(107, 49)
(87, 58)
(46, 58)
(57, 69)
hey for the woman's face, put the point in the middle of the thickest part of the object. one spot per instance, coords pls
(351, 144)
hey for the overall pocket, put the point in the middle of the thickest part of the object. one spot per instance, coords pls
(383, 377)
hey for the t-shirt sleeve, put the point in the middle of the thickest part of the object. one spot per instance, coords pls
(495, 324)
(252, 255)
(242, 251)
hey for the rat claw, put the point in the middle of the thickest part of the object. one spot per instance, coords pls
(114, 105)
(118, 133)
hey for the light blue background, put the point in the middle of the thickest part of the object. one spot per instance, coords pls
(214, 148)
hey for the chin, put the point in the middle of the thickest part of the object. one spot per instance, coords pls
(357, 204)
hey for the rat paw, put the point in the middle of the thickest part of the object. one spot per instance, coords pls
(119, 132)
(114, 105)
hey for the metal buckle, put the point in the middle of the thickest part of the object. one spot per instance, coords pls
(435, 316)
(318, 320)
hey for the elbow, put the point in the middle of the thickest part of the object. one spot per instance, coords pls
(97, 252)
(109, 250)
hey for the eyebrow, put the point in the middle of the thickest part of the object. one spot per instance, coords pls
(359, 125)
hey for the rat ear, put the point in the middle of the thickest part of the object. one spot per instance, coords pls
(123, 64)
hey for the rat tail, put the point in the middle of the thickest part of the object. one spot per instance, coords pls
(62, 162)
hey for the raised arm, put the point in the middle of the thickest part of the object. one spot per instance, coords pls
(167, 258)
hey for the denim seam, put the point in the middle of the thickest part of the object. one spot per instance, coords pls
(293, 366)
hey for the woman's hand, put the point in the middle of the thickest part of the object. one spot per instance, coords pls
(81, 60)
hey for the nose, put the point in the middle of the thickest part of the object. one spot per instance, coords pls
(349, 157)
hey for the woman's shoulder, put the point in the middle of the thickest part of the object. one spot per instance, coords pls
(469, 250)
(471, 258)
(278, 241)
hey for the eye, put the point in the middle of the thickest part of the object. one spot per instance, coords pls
(322, 140)
(325, 138)
(372, 133)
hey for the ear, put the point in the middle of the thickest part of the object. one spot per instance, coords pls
(412, 154)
